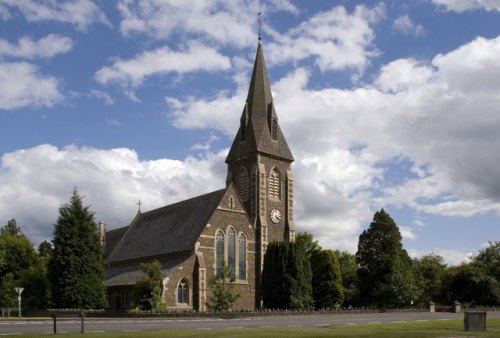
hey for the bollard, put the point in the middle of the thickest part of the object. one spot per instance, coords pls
(82, 316)
(55, 322)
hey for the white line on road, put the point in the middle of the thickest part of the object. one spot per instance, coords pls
(422, 320)
(294, 325)
(398, 321)
(9, 334)
(131, 330)
(95, 331)
(265, 326)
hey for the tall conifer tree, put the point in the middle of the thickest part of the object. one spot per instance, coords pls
(76, 266)
(385, 271)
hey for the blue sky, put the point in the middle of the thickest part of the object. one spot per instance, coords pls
(390, 104)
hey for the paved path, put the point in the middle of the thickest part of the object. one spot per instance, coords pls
(17, 327)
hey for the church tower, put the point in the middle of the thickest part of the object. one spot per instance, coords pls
(260, 164)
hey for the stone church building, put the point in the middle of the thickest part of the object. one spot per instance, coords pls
(193, 238)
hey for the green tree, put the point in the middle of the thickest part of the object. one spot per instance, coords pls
(8, 295)
(428, 272)
(488, 260)
(11, 228)
(326, 279)
(76, 267)
(286, 277)
(16, 251)
(45, 249)
(306, 241)
(223, 293)
(149, 288)
(349, 273)
(35, 281)
(470, 285)
(385, 272)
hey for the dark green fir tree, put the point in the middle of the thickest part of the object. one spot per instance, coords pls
(76, 265)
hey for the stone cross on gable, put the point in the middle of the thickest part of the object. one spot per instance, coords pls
(139, 204)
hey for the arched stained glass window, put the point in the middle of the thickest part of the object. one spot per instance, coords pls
(219, 252)
(242, 261)
(231, 250)
(183, 292)
(274, 184)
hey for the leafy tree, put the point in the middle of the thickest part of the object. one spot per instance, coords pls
(385, 274)
(306, 240)
(16, 251)
(349, 273)
(45, 249)
(223, 293)
(148, 289)
(470, 285)
(428, 272)
(488, 260)
(76, 267)
(35, 281)
(8, 295)
(11, 228)
(326, 279)
(286, 276)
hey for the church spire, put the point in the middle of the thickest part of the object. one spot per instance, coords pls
(259, 129)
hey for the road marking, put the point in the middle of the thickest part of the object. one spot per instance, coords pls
(422, 320)
(235, 327)
(444, 319)
(131, 330)
(8, 334)
(203, 328)
(95, 331)
(265, 326)
(373, 322)
(350, 323)
(322, 324)
(398, 321)
(294, 325)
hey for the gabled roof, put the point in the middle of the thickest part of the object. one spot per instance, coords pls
(257, 114)
(170, 229)
(112, 239)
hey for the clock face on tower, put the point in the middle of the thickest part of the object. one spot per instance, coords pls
(275, 216)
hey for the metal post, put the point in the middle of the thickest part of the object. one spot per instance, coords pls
(55, 323)
(19, 291)
(82, 316)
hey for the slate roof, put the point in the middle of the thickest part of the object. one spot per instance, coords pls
(112, 239)
(259, 106)
(129, 274)
(170, 229)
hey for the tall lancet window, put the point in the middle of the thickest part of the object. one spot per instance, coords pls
(243, 184)
(274, 184)
(274, 130)
(231, 250)
(219, 252)
(242, 267)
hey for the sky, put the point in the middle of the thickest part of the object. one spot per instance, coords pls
(390, 104)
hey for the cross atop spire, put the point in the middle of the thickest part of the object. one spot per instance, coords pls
(139, 205)
(260, 24)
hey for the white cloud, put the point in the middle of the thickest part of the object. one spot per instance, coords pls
(440, 116)
(405, 25)
(335, 38)
(81, 13)
(465, 5)
(407, 233)
(196, 57)
(450, 257)
(228, 22)
(34, 182)
(103, 96)
(21, 85)
(46, 47)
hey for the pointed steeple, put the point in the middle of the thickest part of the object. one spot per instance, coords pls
(259, 129)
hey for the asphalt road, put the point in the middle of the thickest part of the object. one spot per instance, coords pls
(16, 327)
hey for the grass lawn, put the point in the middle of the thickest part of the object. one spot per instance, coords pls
(446, 328)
